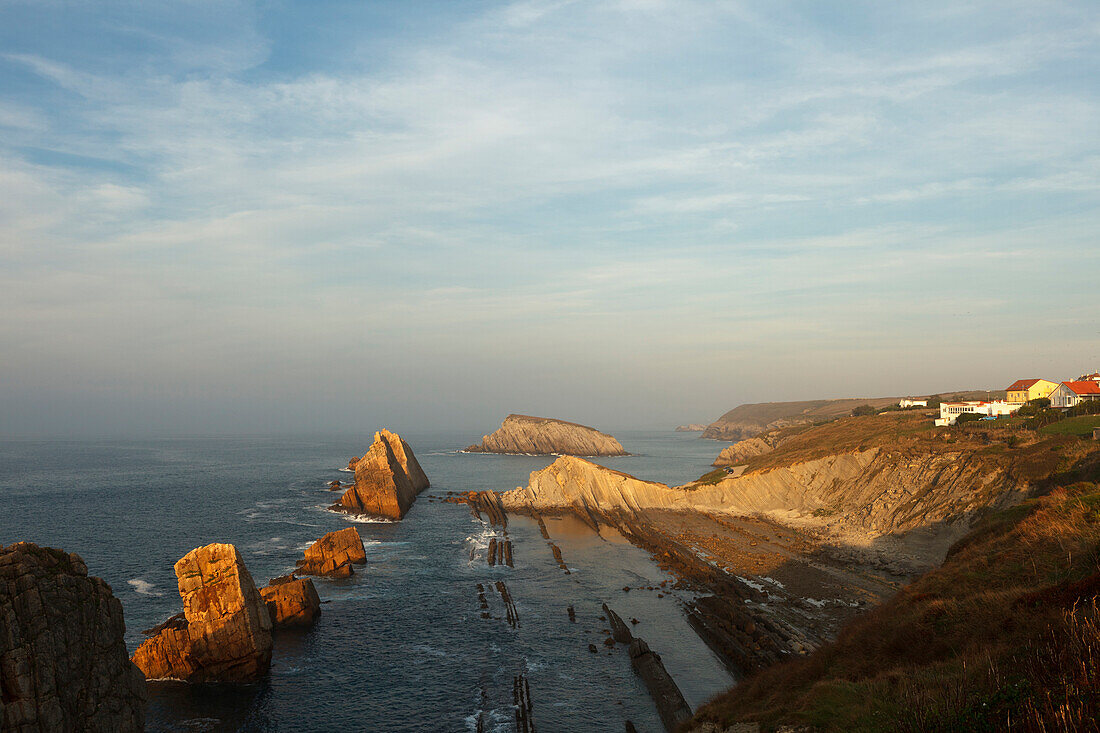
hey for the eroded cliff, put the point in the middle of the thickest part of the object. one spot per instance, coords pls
(63, 661)
(546, 436)
(857, 481)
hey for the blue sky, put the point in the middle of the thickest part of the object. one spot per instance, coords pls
(229, 217)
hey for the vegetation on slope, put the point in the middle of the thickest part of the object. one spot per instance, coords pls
(1005, 635)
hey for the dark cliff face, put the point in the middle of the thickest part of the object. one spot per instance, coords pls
(64, 661)
(546, 436)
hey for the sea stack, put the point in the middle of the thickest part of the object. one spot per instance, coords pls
(291, 602)
(63, 661)
(334, 554)
(546, 436)
(224, 632)
(387, 479)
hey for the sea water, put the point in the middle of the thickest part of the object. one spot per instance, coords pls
(401, 646)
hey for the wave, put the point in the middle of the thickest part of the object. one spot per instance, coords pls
(346, 470)
(360, 518)
(144, 587)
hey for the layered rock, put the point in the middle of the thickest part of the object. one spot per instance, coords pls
(387, 479)
(291, 602)
(692, 428)
(857, 494)
(741, 451)
(63, 661)
(334, 554)
(545, 436)
(225, 631)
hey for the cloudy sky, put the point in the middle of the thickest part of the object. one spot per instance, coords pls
(221, 217)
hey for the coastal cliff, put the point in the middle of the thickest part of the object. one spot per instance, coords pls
(746, 421)
(856, 480)
(63, 661)
(387, 479)
(546, 436)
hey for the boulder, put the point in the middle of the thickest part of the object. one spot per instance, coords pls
(225, 632)
(291, 602)
(334, 554)
(387, 479)
(63, 661)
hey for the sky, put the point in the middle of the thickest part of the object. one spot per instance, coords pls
(222, 217)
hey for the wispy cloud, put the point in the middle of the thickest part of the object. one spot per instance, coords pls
(204, 190)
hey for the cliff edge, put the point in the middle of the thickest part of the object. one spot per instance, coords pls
(546, 436)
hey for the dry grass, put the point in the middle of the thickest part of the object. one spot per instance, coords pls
(1003, 636)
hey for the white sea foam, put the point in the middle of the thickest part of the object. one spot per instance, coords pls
(143, 587)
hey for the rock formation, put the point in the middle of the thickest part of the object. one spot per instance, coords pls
(692, 428)
(742, 450)
(387, 479)
(63, 661)
(334, 554)
(545, 436)
(291, 602)
(225, 631)
(670, 702)
(855, 494)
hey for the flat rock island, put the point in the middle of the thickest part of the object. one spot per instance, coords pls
(543, 436)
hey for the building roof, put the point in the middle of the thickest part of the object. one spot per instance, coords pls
(1083, 387)
(1022, 384)
(1084, 377)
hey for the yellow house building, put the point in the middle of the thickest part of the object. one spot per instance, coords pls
(1025, 390)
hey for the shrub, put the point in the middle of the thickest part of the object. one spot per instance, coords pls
(861, 410)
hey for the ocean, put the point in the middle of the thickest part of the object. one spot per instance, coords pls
(401, 646)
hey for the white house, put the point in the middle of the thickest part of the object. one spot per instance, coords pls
(1070, 394)
(913, 403)
(950, 411)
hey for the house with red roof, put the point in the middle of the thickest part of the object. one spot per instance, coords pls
(1071, 394)
(1025, 390)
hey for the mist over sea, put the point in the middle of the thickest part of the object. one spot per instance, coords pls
(401, 646)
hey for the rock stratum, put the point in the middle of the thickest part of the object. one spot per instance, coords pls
(224, 632)
(387, 479)
(524, 434)
(857, 479)
(63, 661)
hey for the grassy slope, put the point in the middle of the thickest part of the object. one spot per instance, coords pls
(1004, 634)
(1080, 426)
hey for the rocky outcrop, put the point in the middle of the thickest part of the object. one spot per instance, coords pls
(671, 705)
(225, 632)
(741, 451)
(545, 436)
(334, 554)
(858, 494)
(692, 428)
(63, 661)
(387, 479)
(291, 602)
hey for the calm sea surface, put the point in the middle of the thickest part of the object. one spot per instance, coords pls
(401, 646)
